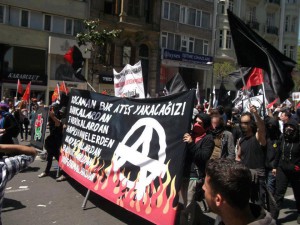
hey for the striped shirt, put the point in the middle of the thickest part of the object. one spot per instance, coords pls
(9, 167)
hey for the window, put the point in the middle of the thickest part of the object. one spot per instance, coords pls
(69, 26)
(191, 44)
(177, 42)
(182, 14)
(198, 46)
(228, 39)
(285, 49)
(126, 55)
(292, 52)
(77, 27)
(133, 8)
(222, 7)
(221, 39)
(2, 15)
(109, 7)
(107, 58)
(231, 5)
(270, 19)
(24, 18)
(166, 10)
(287, 22)
(252, 14)
(191, 13)
(184, 44)
(170, 41)
(164, 37)
(205, 21)
(293, 24)
(175, 9)
(205, 47)
(47, 22)
(198, 18)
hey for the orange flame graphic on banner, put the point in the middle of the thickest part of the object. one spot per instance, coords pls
(158, 196)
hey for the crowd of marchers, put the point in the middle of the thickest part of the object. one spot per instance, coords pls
(238, 164)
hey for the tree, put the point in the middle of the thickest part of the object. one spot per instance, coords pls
(221, 70)
(96, 38)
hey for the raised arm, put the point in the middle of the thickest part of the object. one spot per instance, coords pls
(18, 150)
(261, 130)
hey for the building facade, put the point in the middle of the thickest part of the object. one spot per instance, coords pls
(34, 36)
(186, 42)
(277, 21)
(138, 41)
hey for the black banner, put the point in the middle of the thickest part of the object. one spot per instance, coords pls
(129, 151)
(38, 127)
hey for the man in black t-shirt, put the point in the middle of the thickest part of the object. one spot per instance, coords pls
(251, 150)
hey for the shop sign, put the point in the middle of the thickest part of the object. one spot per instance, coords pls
(34, 78)
(186, 57)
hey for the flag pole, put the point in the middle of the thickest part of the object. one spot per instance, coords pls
(90, 86)
(16, 98)
(244, 83)
(264, 93)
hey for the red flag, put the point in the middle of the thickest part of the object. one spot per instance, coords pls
(272, 103)
(26, 95)
(63, 88)
(55, 94)
(19, 87)
(255, 78)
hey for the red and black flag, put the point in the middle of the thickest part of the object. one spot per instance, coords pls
(252, 77)
(253, 51)
(75, 58)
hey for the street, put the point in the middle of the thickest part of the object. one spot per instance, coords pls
(31, 200)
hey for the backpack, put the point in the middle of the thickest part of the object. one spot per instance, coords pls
(13, 125)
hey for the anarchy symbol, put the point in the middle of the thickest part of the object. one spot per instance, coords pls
(149, 168)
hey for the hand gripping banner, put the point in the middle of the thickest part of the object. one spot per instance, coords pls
(129, 151)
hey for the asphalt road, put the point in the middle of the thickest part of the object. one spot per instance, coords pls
(30, 200)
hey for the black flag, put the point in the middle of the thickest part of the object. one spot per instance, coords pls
(176, 85)
(75, 58)
(253, 51)
(223, 98)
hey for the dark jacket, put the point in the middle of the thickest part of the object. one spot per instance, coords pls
(197, 156)
(262, 216)
(11, 129)
(289, 153)
(273, 141)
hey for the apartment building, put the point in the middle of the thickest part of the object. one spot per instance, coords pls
(34, 36)
(186, 42)
(277, 21)
(139, 41)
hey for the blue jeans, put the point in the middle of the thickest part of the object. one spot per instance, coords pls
(271, 181)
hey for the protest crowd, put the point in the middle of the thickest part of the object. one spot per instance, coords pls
(265, 149)
(237, 163)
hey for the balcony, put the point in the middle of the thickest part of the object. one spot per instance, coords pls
(254, 1)
(271, 30)
(253, 25)
(272, 5)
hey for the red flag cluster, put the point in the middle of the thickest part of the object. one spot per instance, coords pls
(59, 88)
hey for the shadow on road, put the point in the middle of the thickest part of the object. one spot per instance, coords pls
(30, 169)
(109, 207)
(290, 215)
(11, 204)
